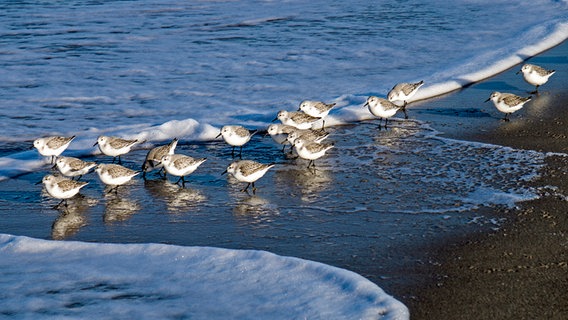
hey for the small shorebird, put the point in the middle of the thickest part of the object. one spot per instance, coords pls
(311, 150)
(236, 136)
(507, 102)
(73, 167)
(52, 146)
(153, 159)
(296, 119)
(279, 133)
(535, 75)
(181, 165)
(383, 108)
(317, 109)
(248, 171)
(114, 146)
(308, 135)
(61, 187)
(403, 92)
(114, 175)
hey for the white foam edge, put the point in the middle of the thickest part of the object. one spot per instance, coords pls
(349, 107)
(231, 282)
(556, 37)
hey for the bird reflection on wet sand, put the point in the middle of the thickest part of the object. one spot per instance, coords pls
(255, 210)
(176, 199)
(71, 217)
(307, 183)
(119, 209)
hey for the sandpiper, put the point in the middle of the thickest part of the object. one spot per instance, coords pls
(535, 75)
(383, 108)
(403, 92)
(507, 102)
(114, 146)
(52, 146)
(153, 159)
(236, 136)
(248, 171)
(181, 165)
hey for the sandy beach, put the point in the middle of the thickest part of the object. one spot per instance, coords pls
(520, 271)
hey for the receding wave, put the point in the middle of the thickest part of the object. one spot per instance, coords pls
(149, 281)
(536, 40)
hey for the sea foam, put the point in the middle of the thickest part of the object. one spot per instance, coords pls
(46, 279)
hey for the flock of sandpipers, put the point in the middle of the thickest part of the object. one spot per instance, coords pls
(295, 130)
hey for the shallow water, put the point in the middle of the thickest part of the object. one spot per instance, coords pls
(375, 191)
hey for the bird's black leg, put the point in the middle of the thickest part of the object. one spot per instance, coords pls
(115, 189)
(253, 189)
(182, 179)
(57, 206)
(246, 188)
(163, 173)
(312, 164)
(291, 151)
(404, 110)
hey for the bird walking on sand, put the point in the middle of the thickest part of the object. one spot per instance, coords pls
(403, 92)
(535, 75)
(236, 136)
(73, 167)
(248, 171)
(52, 146)
(507, 102)
(153, 159)
(114, 146)
(311, 150)
(114, 175)
(317, 109)
(383, 108)
(181, 165)
(61, 188)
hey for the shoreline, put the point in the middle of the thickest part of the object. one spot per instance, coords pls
(519, 271)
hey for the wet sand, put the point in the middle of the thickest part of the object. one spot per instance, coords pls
(520, 271)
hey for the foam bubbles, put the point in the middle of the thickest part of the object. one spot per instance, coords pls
(149, 281)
